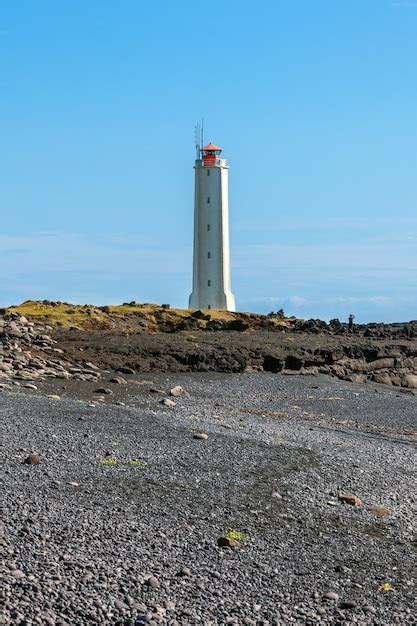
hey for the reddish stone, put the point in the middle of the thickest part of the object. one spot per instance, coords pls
(350, 499)
(379, 511)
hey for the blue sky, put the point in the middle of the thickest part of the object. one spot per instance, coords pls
(313, 101)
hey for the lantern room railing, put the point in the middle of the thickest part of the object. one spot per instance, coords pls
(216, 163)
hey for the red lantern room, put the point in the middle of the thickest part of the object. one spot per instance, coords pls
(211, 154)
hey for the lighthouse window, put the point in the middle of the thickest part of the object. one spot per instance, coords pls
(208, 172)
(208, 226)
(208, 200)
(208, 255)
(208, 283)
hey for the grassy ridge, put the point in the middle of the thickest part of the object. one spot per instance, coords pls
(89, 317)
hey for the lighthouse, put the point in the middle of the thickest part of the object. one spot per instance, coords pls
(211, 264)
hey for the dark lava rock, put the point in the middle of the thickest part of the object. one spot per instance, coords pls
(348, 604)
(293, 362)
(239, 325)
(226, 542)
(118, 380)
(126, 370)
(199, 315)
(32, 459)
(272, 363)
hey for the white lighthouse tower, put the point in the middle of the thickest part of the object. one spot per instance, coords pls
(211, 267)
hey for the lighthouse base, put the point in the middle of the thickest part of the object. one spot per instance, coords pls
(224, 301)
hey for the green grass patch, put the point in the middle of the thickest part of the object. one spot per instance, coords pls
(236, 534)
(136, 463)
(109, 460)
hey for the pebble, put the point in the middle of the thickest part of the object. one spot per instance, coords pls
(350, 499)
(18, 574)
(331, 595)
(108, 392)
(32, 459)
(126, 370)
(179, 392)
(379, 511)
(118, 380)
(168, 402)
(121, 605)
(53, 396)
(153, 582)
(202, 436)
(226, 542)
(348, 604)
(184, 571)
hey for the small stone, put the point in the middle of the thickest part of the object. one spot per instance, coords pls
(369, 609)
(350, 499)
(126, 370)
(72, 483)
(153, 582)
(348, 604)
(321, 610)
(379, 511)
(108, 392)
(184, 571)
(226, 542)
(202, 436)
(32, 459)
(179, 392)
(30, 386)
(168, 402)
(18, 574)
(118, 380)
(86, 578)
(120, 605)
(331, 595)
(277, 495)
(53, 396)
(155, 390)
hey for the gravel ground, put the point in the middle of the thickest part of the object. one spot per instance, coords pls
(88, 543)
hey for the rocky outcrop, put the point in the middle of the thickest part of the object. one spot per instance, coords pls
(146, 338)
(28, 354)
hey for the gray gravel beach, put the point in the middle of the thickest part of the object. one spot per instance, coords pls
(119, 522)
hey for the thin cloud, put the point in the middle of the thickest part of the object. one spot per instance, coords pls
(13, 251)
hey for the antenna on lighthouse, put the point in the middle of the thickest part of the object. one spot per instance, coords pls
(197, 138)
(202, 131)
